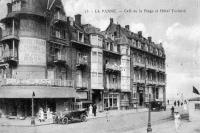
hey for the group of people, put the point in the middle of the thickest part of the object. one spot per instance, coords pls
(176, 111)
(41, 115)
(93, 109)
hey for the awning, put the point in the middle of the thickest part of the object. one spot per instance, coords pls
(40, 92)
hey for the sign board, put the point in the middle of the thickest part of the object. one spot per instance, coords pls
(82, 95)
(32, 51)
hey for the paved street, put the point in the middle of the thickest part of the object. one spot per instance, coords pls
(116, 124)
(122, 123)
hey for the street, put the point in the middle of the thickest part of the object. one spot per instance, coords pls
(115, 124)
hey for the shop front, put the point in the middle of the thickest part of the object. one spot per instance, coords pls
(111, 100)
(16, 100)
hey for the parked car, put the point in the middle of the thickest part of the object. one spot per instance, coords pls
(157, 106)
(70, 115)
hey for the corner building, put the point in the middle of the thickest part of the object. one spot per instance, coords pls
(35, 57)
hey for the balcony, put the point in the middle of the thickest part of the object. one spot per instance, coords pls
(151, 67)
(9, 34)
(138, 64)
(82, 62)
(59, 18)
(112, 86)
(161, 83)
(37, 82)
(112, 68)
(10, 56)
(82, 85)
(140, 81)
(58, 59)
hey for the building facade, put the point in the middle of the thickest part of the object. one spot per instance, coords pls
(145, 65)
(63, 61)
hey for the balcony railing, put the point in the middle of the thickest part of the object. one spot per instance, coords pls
(59, 17)
(9, 55)
(138, 64)
(9, 34)
(82, 61)
(83, 84)
(112, 86)
(37, 82)
(112, 67)
(56, 59)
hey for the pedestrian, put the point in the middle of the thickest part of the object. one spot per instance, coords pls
(168, 101)
(181, 103)
(177, 120)
(41, 115)
(49, 114)
(107, 114)
(172, 110)
(175, 103)
(90, 110)
(185, 102)
(178, 102)
(94, 109)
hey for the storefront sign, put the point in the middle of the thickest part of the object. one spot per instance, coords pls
(32, 51)
(82, 95)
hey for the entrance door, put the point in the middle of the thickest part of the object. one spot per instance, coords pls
(140, 98)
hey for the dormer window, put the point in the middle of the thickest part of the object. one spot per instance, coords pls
(80, 36)
(16, 5)
(58, 34)
(139, 44)
(115, 34)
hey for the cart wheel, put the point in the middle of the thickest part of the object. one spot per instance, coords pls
(65, 120)
(83, 118)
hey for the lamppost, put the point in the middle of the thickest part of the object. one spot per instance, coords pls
(149, 129)
(33, 118)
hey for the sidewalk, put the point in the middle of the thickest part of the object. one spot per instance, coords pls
(27, 121)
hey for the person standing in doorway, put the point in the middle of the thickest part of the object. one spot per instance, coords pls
(94, 109)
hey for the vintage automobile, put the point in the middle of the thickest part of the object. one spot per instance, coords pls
(74, 113)
(157, 106)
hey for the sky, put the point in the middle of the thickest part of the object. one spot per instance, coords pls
(178, 31)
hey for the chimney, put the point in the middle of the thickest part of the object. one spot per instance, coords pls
(127, 27)
(149, 39)
(111, 20)
(78, 19)
(118, 26)
(140, 33)
(9, 6)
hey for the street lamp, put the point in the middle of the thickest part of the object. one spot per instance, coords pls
(33, 118)
(149, 129)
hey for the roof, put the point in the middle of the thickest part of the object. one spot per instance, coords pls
(132, 35)
(40, 92)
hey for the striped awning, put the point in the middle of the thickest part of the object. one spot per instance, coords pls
(40, 92)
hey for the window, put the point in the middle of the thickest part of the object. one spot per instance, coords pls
(16, 5)
(58, 35)
(80, 37)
